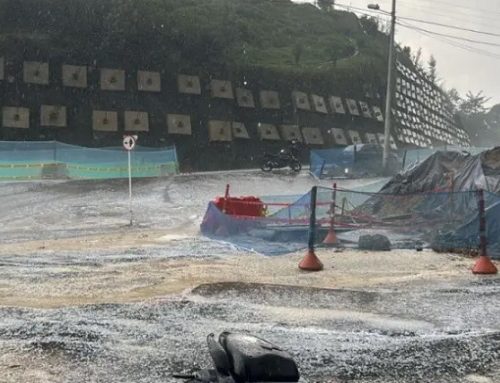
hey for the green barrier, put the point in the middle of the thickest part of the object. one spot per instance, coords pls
(29, 171)
(29, 160)
(53, 160)
(78, 171)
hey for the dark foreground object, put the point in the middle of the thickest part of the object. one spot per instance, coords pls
(245, 358)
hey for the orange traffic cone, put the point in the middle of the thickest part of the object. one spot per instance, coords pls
(331, 237)
(484, 266)
(311, 262)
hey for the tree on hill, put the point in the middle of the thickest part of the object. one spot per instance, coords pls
(370, 25)
(454, 98)
(432, 69)
(326, 5)
(474, 103)
(417, 59)
(482, 128)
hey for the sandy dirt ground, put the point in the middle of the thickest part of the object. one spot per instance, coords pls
(133, 278)
(84, 298)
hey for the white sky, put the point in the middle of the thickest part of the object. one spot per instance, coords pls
(457, 67)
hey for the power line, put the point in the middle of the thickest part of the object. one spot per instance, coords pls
(455, 5)
(449, 26)
(438, 24)
(378, 11)
(433, 12)
(454, 43)
(450, 36)
(453, 15)
(435, 35)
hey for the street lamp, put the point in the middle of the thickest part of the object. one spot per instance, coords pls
(390, 83)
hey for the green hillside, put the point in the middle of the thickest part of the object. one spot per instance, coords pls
(277, 37)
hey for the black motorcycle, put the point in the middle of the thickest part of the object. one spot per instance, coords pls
(242, 358)
(280, 161)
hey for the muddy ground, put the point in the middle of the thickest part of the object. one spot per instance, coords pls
(84, 298)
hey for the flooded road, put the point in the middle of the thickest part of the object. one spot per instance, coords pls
(84, 298)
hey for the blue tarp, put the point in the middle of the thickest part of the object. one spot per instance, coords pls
(443, 220)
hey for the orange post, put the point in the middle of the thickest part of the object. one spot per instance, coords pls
(311, 262)
(331, 237)
(483, 264)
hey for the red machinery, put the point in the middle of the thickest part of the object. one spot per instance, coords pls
(242, 206)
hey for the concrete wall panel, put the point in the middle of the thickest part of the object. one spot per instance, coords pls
(179, 124)
(15, 117)
(74, 76)
(104, 121)
(35, 72)
(53, 116)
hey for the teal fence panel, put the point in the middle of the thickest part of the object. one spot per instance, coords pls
(55, 160)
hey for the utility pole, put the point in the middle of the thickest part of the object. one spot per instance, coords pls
(390, 89)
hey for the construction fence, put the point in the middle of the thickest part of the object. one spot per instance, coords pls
(34, 160)
(444, 221)
(366, 159)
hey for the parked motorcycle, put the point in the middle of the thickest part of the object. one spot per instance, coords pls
(242, 358)
(280, 161)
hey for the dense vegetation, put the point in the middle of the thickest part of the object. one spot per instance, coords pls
(270, 38)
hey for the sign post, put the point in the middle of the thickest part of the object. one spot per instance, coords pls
(129, 145)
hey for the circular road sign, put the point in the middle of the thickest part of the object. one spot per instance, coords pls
(128, 142)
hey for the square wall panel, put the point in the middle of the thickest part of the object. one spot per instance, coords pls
(104, 121)
(53, 116)
(220, 131)
(339, 136)
(179, 124)
(301, 100)
(371, 138)
(269, 99)
(268, 132)
(36, 72)
(337, 105)
(240, 130)
(244, 97)
(113, 79)
(148, 81)
(188, 84)
(290, 132)
(365, 109)
(319, 104)
(352, 105)
(355, 137)
(136, 121)
(221, 89)
(74, 76)
(15, 117)
(377, 113)
(312, 136)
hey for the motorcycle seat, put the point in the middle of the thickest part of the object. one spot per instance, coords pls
(251, 359)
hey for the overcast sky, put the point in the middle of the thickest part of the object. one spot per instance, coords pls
(458, 68)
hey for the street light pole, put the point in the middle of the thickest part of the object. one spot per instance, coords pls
(390, 89)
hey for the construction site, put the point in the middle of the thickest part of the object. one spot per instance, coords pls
(235, 191)
(85, 296)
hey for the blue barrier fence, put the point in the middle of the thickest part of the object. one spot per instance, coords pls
(363, 160)
(51, 159)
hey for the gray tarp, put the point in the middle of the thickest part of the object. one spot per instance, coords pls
(450, 171)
